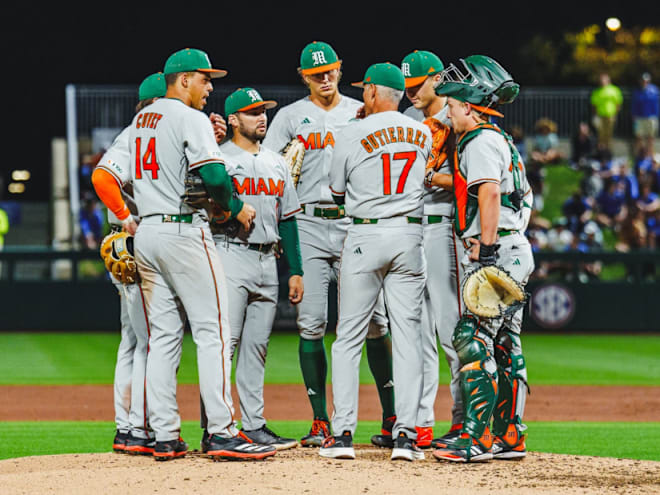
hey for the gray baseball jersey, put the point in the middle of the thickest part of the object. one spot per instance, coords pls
(379, 165)
(317, 129)
(178, 261)
(263, 181)
(442, 304)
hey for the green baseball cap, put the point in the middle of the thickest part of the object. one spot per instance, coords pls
(318, 57)
(189, 60)
(385, 74)
(244, 99)
(418, 65)
(153, 86)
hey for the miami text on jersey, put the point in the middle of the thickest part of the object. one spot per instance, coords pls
(251, 187)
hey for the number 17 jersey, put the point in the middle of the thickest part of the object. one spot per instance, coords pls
(379, 165)
(166, 140)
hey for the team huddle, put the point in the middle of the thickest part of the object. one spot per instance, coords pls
(399, 209)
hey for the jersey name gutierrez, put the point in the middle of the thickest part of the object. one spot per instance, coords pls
(393, 135)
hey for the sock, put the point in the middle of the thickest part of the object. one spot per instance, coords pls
(314, 367)
(379, 356)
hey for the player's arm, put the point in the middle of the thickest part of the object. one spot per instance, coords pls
(337, 173)
(108, 190)
(291, 246)
(280, 131)
(219, 186)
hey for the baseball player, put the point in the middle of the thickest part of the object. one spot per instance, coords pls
(261, 177)
(490, 219)
(112, 181)
(178, 261)
(378, 167)
(422, 70)
(316, 120)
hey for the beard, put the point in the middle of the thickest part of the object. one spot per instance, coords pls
(254, 135)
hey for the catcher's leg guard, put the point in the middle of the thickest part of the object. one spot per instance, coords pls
(478, 375)
(512, 381)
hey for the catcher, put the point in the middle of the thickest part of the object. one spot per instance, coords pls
(491, 213)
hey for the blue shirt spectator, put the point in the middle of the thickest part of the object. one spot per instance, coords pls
(91, 224)
(577, 211)
(630, 181)
(646, 101)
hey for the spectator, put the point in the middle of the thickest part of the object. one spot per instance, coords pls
(559, 236)
(591, 182)
(653, 230)
(648, 202)
(645, 113)
(91, 222)
(583, 147)
(611, 204)
(643, 162)
(545, 144)
(578, 210)
(518, 136)
(633, 233)
(606, 101)
(4, 228)
(625, 174)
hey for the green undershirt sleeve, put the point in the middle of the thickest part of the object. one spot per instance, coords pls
(218, 183)
(291, 245)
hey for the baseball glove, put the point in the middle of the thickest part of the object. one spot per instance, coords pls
(490, 292)
(440, 133)
(118, 256)
(293, 153)
(196, 196)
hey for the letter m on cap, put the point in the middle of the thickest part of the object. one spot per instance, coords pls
(405, 68)
(254, 96)
(319, 58)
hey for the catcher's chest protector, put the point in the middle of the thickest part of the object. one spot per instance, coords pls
(465, 205)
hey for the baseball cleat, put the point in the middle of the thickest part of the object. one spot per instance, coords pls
(266, 436)
(204, 443)
(406, 449)
(385, 440)
(511, 445)
(452, 435)
(238, 448)
(338, 447)
(140, 446)
(424, 436)
(119, 442)
(319, 431)
(467, 449)
(166, 451)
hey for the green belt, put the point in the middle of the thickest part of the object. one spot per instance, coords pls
(437, 219)
(500, 233)
(361, 221)
(329, 213)
(177, 218)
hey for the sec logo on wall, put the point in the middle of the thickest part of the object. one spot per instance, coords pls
(552, 306)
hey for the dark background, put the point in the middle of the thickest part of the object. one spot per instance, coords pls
(46, 48)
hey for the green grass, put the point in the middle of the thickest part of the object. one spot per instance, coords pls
(78, 358)
(560, 182)
(623, 440)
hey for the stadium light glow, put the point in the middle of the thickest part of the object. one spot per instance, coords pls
(613, 24)
(19, 175)
(16, 188)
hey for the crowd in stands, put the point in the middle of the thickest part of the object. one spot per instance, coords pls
(616, 204)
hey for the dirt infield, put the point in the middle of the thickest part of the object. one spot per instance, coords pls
(303, 471)
(289, 402)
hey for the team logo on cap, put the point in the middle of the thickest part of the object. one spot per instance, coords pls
(318, 58)
(254, 95)
(405, 68)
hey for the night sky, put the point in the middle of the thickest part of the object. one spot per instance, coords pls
(45, 49)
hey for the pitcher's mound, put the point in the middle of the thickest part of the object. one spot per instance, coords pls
(303, 471)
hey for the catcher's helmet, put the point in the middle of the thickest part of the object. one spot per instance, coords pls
(483, 82)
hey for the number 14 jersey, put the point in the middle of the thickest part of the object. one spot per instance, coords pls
(166, 140)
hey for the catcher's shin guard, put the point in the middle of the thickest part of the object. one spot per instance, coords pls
(478, 375)
(512, 380)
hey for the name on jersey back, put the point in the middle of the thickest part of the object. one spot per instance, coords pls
(390, 135)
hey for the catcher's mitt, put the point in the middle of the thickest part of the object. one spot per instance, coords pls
(490, 292)
(439, 152)
(196, 196)
(293, 153)
(118, 257)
